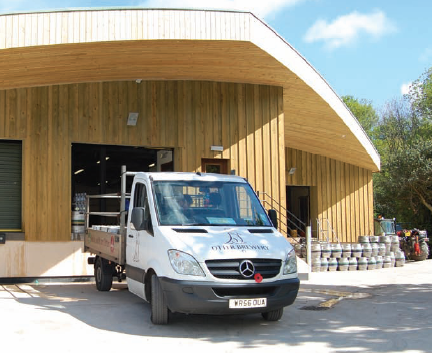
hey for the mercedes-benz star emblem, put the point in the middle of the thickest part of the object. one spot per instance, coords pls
(247, 268)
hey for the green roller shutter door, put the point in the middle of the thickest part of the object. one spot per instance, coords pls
(10, 185)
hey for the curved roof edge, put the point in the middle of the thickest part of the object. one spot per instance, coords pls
(122, 8)
(303, 69)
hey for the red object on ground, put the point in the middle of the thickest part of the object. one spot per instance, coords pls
(417, 249)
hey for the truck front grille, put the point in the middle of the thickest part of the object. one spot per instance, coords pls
(230, 269)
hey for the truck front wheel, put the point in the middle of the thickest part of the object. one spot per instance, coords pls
(274, 315)
(103, 275)
(159, 309)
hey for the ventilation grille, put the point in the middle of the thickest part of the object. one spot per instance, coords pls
(229, 269)
(260, 230)
(189, 230)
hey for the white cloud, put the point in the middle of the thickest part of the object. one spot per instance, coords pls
(346, 29)
(257, 7)
(405, 87)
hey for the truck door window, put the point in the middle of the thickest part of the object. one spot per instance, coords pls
(141, 200)
(140, 195)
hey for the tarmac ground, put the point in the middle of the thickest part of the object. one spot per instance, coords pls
(386, 310)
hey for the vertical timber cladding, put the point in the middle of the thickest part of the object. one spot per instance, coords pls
(189, 116)
(340, 192)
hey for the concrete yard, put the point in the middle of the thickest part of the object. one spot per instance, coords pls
(386, 310)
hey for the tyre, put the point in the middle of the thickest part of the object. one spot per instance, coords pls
(423, 256)
(159, 309)
(424, 253)
(103, 275)
(274, 315)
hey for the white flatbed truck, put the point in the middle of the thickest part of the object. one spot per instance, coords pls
(197, 244)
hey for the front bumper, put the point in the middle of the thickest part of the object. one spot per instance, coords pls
(194, 297)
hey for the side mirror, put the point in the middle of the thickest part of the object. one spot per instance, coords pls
(138, 219)
(273, 217)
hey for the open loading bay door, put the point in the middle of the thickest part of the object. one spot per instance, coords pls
(96, 170)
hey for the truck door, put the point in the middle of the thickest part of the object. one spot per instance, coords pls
(136, 240)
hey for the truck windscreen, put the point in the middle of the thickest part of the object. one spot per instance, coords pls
(208, 203)
(388, 227)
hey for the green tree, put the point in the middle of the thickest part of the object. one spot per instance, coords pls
(402, 133)
(365, 113)
(407, 156)
(403, 189)
(420, 95)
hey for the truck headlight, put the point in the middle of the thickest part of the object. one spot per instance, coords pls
(184, 264)
(290, 265)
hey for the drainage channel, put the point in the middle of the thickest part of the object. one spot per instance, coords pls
(330, 303)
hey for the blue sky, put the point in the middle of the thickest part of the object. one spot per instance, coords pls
(370, 49)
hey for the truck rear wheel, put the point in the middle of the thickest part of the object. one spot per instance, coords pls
(103, 275)
(159, 309)
(274, 315)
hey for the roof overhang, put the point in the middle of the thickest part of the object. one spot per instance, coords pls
(67, 47)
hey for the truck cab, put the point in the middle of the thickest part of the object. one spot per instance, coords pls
(385, 226)
(203, 244)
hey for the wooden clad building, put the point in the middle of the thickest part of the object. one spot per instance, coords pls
(197, 79)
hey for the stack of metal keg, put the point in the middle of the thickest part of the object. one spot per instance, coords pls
(370, 253)
(329, 257)
(377, 252)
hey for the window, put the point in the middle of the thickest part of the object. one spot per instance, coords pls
(140, 200)
(10, 185)
(140, 195)
(212, 203)
(218, 166)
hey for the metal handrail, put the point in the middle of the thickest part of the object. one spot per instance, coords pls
(329, 228)
(280, 216)
(283, 208)
(284, 216)
(264, 201)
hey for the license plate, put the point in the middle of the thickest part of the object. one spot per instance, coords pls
(247, 303)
